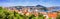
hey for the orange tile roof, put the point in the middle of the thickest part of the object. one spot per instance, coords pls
(52, 15)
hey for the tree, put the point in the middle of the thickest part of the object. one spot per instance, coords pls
(0, 8)
(2, 15)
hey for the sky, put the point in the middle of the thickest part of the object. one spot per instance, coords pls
(46, 3)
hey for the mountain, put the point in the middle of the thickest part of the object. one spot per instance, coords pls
(39, 7)
(55, 8)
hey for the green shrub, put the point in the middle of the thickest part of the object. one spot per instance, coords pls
(58, 17)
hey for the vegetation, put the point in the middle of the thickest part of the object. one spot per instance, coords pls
(58, 17)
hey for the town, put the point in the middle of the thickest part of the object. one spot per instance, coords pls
(36, 10)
